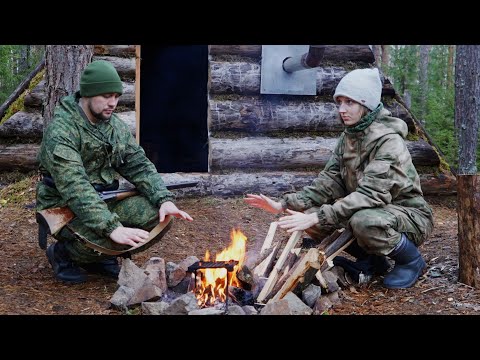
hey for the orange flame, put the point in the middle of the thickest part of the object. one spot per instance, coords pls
(212, 283)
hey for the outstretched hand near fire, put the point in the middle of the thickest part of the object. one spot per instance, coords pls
(297, 221)
(264, 202)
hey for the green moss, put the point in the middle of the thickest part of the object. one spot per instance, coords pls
(413, 137)
(19, 105)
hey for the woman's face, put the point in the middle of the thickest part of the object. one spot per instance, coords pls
(350, 111)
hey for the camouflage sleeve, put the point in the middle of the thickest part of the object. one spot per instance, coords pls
(327, 187)
(374, 189)
(66, 167)
(141, 172)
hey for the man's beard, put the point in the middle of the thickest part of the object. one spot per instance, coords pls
(99, 116)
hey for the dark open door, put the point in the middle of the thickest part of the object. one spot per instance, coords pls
(173, 107)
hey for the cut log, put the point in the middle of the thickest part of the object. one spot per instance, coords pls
(267, 256)
(266, 115)
(115, 50)
(125, 66)
(34, 100)
(333, 53)
(29, 125)
(274, 183)
(22, 157)
(291, 153)
(273, 277)
(301, 274)
(243, 78)
(23, 125)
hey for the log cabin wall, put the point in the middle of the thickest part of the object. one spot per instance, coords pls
(257, 143)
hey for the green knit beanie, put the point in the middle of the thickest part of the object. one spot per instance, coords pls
(100, 77)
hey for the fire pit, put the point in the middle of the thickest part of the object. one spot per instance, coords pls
(213, 278)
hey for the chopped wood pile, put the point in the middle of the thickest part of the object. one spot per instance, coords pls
(288, 277)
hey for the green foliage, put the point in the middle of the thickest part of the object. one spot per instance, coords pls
(440, 104)
(16, 62)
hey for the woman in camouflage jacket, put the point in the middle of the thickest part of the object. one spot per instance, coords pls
(369, 184)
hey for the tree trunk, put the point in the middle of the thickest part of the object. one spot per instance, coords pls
(377, 54)
(385, 56)
(64, 64)
(423, 81)
(467, 99)
(468, 208)
(451, 65)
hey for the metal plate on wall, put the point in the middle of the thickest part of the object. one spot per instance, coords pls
(275, 80)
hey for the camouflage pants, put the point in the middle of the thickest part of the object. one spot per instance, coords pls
(135, 211)
(378, 230)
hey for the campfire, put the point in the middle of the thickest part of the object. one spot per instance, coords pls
(214, 278)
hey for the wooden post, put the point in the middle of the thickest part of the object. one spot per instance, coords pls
(137, 92)
(468, 210)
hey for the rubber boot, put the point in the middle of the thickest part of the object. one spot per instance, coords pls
(63, 267)
(409, 265)
(108, 267)
(365, 267)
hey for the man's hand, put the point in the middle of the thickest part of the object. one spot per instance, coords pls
(264, 202)
(129, 236)
(297, 221)
(169, 208)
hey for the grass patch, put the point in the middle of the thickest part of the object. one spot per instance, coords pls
(21, 191)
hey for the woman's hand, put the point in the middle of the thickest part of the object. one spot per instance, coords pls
(297, 221)
(169, 208)
(264, 202)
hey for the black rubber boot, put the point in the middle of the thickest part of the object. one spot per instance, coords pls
(63, 267)
(365, 267)
(108, 267)
(409, 265)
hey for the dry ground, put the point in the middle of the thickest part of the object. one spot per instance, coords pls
(27, 285)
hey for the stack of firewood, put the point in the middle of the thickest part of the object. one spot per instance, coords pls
(294, 268)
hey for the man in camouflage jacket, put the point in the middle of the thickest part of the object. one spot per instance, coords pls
(369, 184)
(86, 146)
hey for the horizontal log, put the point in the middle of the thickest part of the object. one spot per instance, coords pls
(273, 183)
(292, 153)
(244, 78)
(276, 183)
(29, 125)
(115, 50)
(23, 125)
(34, 100)
(125, 66)
(272, 114)
(21, 157)
(333, 53)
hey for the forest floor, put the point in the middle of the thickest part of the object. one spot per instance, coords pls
(27, 284)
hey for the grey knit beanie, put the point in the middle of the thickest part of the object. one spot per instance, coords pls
(363, 86)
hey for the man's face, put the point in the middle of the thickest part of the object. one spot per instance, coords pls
(102, 106)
